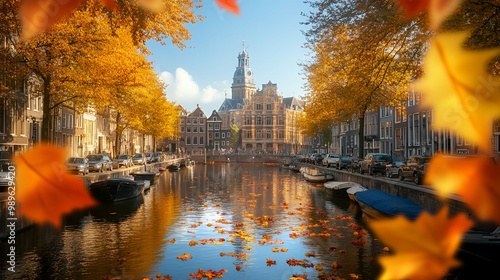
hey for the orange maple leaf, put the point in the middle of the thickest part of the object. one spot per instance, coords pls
(458, 87)
(45, 191)
(474, 179)
(438, 10)
(424, 248)
(38, 16)
(230, 5)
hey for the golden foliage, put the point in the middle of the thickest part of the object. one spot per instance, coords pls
(457, 86)
(475, 180)
(424, 248)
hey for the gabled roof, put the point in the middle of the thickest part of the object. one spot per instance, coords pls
(232, 104)
(290, 102)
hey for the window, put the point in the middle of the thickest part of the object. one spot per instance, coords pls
(195, 140)
(217, 126)
(228, 134)
(248, 134)
(195, 129)
(280, 120)
(248, 120)
(258, 134)
(217, 135)
(201, 140)
(201, 129)
(269, 134)
(188, 140)
(269, 107)
(258, 107)
(195, 121)
(281, 134)
(188, 129)
(258, 120)
(269, 120)
(223, 135)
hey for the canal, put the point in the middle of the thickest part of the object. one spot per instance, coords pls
(245, 221)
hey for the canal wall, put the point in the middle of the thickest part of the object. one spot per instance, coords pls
(22, 223)
(422, 195)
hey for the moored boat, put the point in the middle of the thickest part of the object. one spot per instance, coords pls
(353, 190)
(315, 176)
(144, 175)
(117, 189)
(378, 204)
(339, 188)
(174, 167)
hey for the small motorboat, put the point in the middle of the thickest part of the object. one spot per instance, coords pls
(313, 175)
(145, 175)
(337, 188)
(378, 204)
(174, 167)
(117, 189)
(353, 190)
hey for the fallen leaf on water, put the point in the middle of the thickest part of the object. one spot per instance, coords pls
(424, 248)
(184, 257)
(45, 191)
(457, 86)
(474, 179)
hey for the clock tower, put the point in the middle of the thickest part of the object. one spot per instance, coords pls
(243, 86)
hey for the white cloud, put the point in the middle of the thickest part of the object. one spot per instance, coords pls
(182, 89)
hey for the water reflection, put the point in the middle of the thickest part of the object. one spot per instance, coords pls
(226, 216)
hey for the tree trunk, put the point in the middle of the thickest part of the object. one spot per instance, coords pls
(46, 111)
(118, 135)
(361, 137)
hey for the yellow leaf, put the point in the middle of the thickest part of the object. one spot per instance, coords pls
(424, 248)
(474, 179)
(457, 86)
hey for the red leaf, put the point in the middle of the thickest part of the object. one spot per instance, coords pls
(413, 7)
(229, 5)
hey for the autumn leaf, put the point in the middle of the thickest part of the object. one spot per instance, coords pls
(45, 190)
(424, 248)
(38, 16)
(230, 5)
(457, 86)
(438, 10)
(474, 179)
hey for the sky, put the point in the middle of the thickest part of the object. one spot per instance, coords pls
(201, 74)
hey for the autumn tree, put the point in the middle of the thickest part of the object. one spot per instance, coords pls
(365, 56)
(234, 140)
(56, 56)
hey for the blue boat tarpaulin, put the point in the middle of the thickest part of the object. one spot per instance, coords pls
(389, 204)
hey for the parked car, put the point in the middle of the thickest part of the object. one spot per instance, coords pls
(78, 165)
(312, 158)
(375, 163)
(139, 158)
(158, 157)
(344, 162)
(392, 169)
(149, 157)
(331, 160)
(99, 163)
(353, 166)
(414, 168)
(6, 175)
(122, 160)
(319, 159)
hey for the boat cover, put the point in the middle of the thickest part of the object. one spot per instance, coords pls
(389, 204)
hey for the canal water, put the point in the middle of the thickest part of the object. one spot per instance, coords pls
(244, 221)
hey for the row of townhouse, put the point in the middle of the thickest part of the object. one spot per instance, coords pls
(81, 133)
(404, 131)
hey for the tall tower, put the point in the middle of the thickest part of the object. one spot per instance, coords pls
(243, 86)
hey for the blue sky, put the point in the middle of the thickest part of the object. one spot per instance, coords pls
(202, 72)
